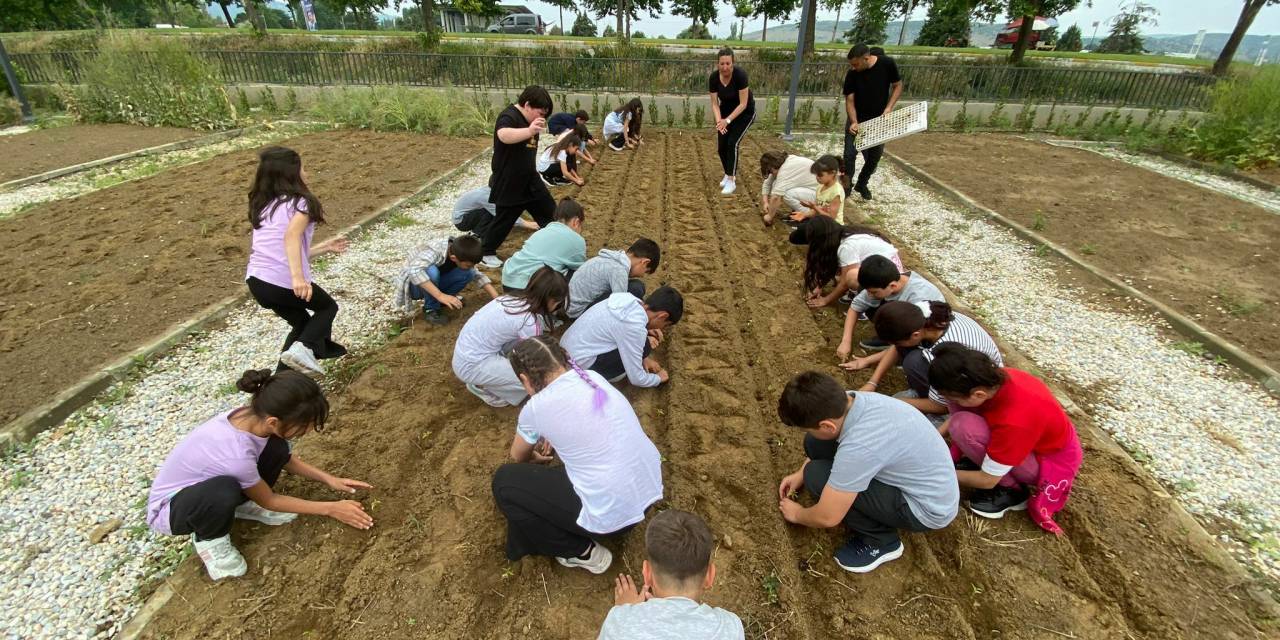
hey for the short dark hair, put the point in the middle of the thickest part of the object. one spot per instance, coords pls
(679, 545)
(466, 248)
(957, 369)
(581, 114)
(536, 97)
(726, 51)
(876, 51)
(665, 298)
(568, 209)
(858, 50)
(877, 272)
(810, 398)
(897, 320)
(827, 164)
(646, 248)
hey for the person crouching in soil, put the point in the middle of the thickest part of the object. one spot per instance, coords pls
(225, 469)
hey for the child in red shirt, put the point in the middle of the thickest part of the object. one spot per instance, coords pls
(1011, 427)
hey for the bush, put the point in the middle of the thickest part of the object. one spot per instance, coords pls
(172, 88)
(10, 112)
(401, 109)
(1242, 126)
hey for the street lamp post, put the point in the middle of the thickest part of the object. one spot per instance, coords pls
(796, 68)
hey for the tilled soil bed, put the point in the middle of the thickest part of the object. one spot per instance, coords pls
(35, 152)
(89, 279)
(1212, 257)
(433, 566)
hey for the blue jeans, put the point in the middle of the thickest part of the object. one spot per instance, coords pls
(450, 283)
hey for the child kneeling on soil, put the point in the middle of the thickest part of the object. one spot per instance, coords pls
(829, 199)
(614, 337)
(786, 180)
(225, 469)
(559, 246)
(480, 353)
(1008, 432)
(882, 281)
(836, 253)
(679, 569)
(558, 164)
(611, 474)
(437, 272)
(874, 462)
(622, 125)
(473, 213)
(612, 272)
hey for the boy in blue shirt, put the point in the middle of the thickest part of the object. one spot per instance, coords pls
(436, 272)
(559, 245)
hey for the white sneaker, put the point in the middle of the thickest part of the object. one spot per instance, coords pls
(491, 262)
(723, 180)
(729, 187)
(300, 358)
(221, 558)
(597, 561)
(251, 511)
(489, 398)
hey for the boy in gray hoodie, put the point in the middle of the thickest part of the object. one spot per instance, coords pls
(612, 272)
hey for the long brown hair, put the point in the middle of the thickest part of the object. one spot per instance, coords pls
(563, 144)
(546, 291)
(279, 176)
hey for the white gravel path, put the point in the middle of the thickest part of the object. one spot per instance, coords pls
(1207, 433)
(1269, 200)
(15, 130)
(53, 582)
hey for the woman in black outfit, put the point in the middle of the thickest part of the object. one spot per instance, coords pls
(734, 109)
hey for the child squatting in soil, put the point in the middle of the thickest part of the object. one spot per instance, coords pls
(881, 280)
(558, 163)
(622, 125)
(437, 272)
(284, 214)
(611, 474)
(829, 199)
(1008, 432)
(835, 253)
(558, 246)
(786, 180)
(614, 338)
(480, 353)
(873, 462)
(677, 572)
(225, 469)
(612, 272)
(561, 123)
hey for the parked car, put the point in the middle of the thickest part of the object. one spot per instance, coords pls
(529, 23)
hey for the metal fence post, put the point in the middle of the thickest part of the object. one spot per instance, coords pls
(796, 67)
(15, 86)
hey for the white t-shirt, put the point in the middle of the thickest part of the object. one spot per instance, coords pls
(491, 331)
(793, 174)
(614, 467)
(613, 124)
(674, 617)
(858, 247)
(620, 323)
(544, 159)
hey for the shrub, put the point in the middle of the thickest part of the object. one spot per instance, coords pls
(401, 109)
(1242, 126)
(10, 111)
(171, 88)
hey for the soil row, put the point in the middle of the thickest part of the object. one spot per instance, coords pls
(35, 152)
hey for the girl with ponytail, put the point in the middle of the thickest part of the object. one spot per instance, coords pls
(226, 468)
(834, 255)
(611, 474)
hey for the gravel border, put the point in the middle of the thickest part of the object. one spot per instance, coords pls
(54, 583)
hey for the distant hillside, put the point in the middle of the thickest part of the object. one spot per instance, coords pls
(983, 34)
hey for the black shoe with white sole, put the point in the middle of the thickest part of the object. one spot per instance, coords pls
(994, 503)
(863, 191)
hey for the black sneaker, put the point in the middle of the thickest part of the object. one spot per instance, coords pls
(993, 503)
(874, 344)
(435, 316)
(859, 557)
(863, 191)
(965, 464)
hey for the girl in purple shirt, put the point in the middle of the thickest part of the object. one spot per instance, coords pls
(225, 468)
(284, 215)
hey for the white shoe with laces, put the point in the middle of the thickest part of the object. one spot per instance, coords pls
(723, 180)
(489, 398)
(221, 558)
(491, 262)
(729, 187)
(251, 511)
(299, 357)
(597, 560)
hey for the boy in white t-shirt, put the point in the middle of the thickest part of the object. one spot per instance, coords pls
(679, 569)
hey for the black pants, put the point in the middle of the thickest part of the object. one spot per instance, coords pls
(618, 141)
(727, 143)
(609, 364)
(554, 175)
(870, 160)
(208, 507)
(541, 208)
(916, 367)
(475, 221)
(876, 514)
(311, 322)
(542, 512)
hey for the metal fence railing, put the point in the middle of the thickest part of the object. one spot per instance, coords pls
(977, 82)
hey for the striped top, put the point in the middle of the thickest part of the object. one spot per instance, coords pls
(963, 330)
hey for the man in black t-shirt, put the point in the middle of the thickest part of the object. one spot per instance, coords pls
(871, 89)
(515, 186)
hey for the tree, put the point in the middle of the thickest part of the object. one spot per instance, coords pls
(906, 7)
(255, 17)
(742, 9)
(1071, 39)
(1124, 36)
(560, 6)
(1250, 11)
(624, 11)
(608, 32)
(583, 26)
(699, 11)
(639, 35)
(696, 31)
(868, 27)
(946, 25)
(226, 13)
(837, 6)
(772, 9)
(272, 17)
(1029, 10)
(556, 31)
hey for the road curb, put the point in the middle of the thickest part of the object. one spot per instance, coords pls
(54, 412)
(1267, 377)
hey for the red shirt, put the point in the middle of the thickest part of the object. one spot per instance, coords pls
(1024, 417)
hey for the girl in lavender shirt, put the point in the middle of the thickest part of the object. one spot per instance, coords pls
(225, 468)
(284, 215)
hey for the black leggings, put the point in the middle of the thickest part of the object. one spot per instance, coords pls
(727, 143)
(542, 207)
(311, 321)
(208, 507)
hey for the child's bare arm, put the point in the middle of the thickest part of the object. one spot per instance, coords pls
(492, 291)
(846, 339)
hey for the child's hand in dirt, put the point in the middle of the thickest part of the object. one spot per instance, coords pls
(625, 591)
(855, 364)
(346, 485)
(663, 376)
(453, 302)
(844, 350)
(655, 338)
(543, 451)
(652, 365)
(817, 303)
(350, 513)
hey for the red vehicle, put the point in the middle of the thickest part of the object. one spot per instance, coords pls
(1009, 36)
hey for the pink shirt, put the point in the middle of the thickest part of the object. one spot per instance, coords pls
(267, 259)
(215, 448)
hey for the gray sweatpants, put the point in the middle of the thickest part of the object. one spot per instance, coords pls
(495, 375)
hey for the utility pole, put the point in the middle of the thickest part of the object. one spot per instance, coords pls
(15, 87)
(796, 67)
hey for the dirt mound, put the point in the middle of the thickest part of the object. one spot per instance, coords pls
(433, 566)
(29, 154)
